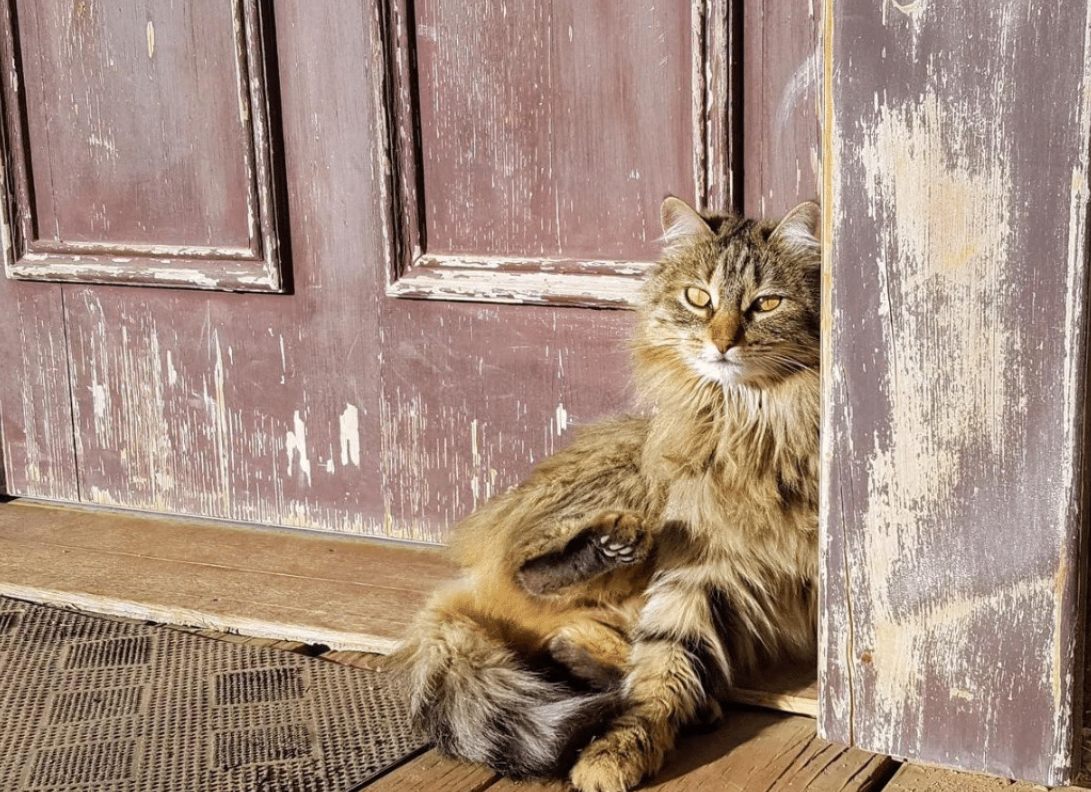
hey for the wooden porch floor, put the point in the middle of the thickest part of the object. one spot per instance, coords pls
(296, 590)
(756, 750)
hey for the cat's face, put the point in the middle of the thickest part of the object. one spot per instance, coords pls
(734, 302)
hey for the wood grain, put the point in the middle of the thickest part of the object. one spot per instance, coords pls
(953, 495)
(342, 592)
(757, 752)
(39, 454)
(781, 48)
(581, 111)
(919, 778)
(434, 772)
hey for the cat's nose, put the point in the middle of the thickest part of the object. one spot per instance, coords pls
(723, 344)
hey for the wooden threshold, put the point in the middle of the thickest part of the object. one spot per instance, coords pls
(348, 593)
(341, 591)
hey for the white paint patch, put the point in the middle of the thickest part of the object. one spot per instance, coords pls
(475, 453)
(105, 143)
(296, 446)
(350, 436)
(913, 10)
(100, 400)
(223, 441)
(283, 362)
(561, 420)
(172, 373)
(151, 39)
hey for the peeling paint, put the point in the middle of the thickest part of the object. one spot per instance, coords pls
(295, 444)
(942, 262)
(561, 420)
(350, 436)
(100, 400)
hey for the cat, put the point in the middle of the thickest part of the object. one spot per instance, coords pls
(614, 597)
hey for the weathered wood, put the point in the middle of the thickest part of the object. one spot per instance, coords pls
(365, 660)
(576, 109)
(39, 454)
(255, 407)
(781, 44)
(140, 144)
(342, 592)
(956, 214)
(918, 778)
(434, 772)
(787, 688)
(757, 752)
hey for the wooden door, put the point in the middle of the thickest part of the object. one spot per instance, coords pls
(954, 485)
(355, 267)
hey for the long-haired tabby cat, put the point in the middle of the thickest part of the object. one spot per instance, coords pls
(615, 595)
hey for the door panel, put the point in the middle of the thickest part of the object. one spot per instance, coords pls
(532, 147)
(39, 458)
(556, 127)
(139, 139)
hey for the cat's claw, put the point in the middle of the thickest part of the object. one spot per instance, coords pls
(622, 538)
(626, 553)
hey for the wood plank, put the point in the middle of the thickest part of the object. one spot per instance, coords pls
(365, 660)
(912, 777)
(786, 688)
(956, 402)
(435, 773)
(757, 751)
(344, 592)
(39, 447)
(780, 43)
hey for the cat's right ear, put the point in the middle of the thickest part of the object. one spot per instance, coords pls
(682, 223)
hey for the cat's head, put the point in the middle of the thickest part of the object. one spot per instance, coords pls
(733, 302)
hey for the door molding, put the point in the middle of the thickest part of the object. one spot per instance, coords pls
(415, 272)
(252, 267)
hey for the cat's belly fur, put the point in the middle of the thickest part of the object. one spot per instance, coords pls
(749, 548)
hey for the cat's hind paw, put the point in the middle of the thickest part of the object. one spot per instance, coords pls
(621, 537)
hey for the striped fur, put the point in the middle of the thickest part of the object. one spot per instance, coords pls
(552, 644)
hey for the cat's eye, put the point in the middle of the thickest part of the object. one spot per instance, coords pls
(766, 304)
(698, 298)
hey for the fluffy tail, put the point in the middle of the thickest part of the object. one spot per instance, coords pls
(479, 702)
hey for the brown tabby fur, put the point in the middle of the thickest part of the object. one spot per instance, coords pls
(612, 597)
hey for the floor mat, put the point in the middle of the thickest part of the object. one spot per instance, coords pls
(96, 704)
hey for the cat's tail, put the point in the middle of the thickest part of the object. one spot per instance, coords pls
(479, 702)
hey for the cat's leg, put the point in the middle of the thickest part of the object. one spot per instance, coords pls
(592, 651)
(612, 540)
(678, 662)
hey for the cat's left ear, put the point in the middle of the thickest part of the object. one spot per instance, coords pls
(799, 228)
(681, 222)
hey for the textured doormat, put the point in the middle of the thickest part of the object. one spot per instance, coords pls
(99, 705)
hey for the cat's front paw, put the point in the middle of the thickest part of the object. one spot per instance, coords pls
(620, 537)
(615, 763)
